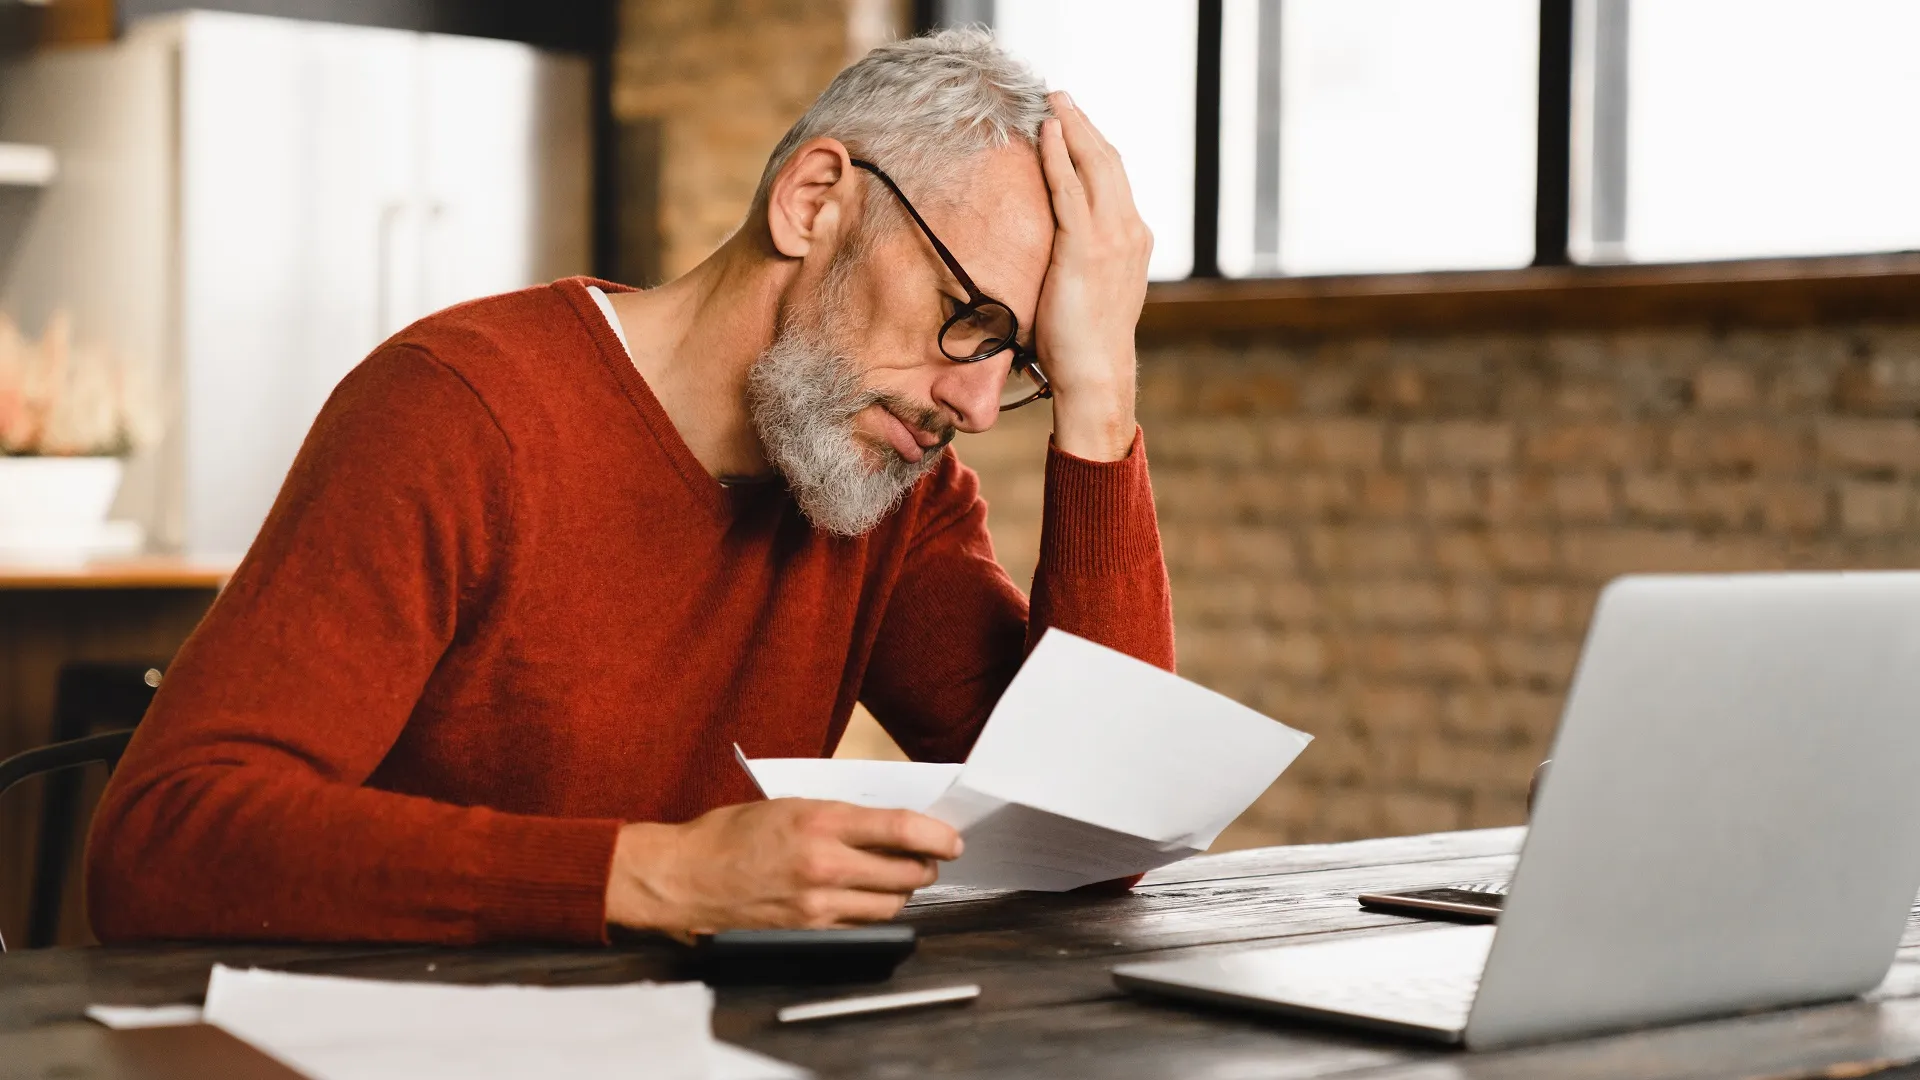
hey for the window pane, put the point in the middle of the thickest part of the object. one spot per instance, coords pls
(1402, 135)
(1772, 127)
(1130, 65)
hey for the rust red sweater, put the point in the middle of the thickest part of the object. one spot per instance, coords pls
(499, 608)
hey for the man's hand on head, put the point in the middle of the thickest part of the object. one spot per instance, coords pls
(787, 863)
(1096, 283)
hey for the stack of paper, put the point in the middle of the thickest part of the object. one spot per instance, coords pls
(331, 1028)
(1093, 766)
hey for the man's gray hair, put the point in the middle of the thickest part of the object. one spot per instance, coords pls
(919, 108)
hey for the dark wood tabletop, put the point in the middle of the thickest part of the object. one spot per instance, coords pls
(1049, 1008)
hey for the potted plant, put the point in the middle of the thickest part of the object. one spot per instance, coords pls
(69, 417)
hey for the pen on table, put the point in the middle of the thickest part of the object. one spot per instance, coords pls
(873, 1003)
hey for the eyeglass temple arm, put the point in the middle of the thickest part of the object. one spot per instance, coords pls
(953, 264)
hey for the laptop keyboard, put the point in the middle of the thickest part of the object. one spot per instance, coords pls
(1440, 998)
(1424, 979)
(1428, 978)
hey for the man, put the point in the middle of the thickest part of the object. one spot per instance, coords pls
(546, 557)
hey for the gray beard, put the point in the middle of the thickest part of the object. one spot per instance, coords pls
(803, 394)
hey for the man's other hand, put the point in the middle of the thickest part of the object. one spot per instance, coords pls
(783, 863)
(1096, 283)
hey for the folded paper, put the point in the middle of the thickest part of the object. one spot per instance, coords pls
(1092, 766)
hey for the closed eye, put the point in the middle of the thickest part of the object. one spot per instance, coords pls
(966, 316)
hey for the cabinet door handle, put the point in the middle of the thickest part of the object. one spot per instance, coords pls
(433, 261)
(383, 327)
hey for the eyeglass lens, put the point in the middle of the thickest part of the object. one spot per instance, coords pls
(986, 330)
(977, 332)
(1022, 386)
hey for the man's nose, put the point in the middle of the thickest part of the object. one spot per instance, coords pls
(971, 392)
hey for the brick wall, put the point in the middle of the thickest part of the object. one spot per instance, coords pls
(725, 79)
(1395, 544)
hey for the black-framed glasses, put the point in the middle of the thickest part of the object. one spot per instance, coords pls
(981, 327)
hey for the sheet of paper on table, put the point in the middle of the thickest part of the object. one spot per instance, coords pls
(1093, 766)
(333, 1028)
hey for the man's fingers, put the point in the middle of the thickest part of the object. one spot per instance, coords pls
(1094, 158)
(900, 831)
(1085, 123)
(875, 871)
(1085, 142)
(1069, 194)
(849, 907)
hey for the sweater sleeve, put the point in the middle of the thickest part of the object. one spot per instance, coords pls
(241, 808)
(956, 628)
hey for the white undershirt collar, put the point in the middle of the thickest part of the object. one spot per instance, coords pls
(606, 309)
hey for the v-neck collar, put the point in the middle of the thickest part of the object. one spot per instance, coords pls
(723, 502)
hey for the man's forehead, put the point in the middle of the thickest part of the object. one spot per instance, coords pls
(998, 222)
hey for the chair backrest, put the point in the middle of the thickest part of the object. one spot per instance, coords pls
(105, 747)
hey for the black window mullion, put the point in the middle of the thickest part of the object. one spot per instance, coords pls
(928, 15)
(1206, 141)
(1553, 150)
(925, 16)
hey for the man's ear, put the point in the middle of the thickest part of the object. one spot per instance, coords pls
(807, 200)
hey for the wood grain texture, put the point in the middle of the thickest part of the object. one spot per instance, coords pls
(151, 572)
(1748, 293)
(1049, 1008)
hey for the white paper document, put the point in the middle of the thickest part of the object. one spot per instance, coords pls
(1093, 766)
(884, 785)
(333, 1028)
(122, 1017)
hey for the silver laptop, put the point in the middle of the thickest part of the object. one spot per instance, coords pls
(1732, 823)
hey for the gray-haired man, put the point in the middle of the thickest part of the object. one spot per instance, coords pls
(547, 557)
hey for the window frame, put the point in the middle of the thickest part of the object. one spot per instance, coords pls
(1874, 276)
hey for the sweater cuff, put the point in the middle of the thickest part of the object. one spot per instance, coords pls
(1098, 516)
(546, 879)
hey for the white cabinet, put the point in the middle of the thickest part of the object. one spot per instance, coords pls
(296, 146)
(341, 182)
(332, 184)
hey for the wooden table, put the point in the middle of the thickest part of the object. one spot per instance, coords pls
(1049, 1008)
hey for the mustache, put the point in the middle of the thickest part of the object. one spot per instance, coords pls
(934, 421)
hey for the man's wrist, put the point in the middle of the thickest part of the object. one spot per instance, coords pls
(634, 898)
(1095, 435)
(1095, 427)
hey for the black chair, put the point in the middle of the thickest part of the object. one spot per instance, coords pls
(106, 748)
(88, 697)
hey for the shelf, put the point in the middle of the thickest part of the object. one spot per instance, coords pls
(149, 572)
(1757, 292)
(26, 166)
